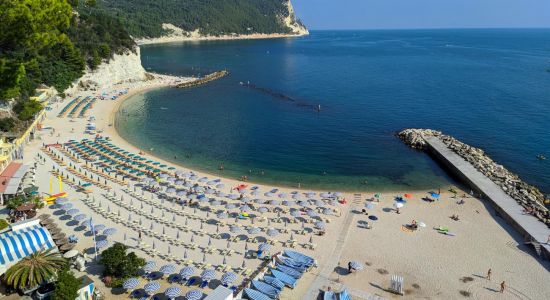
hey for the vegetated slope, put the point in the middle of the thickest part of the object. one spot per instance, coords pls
(144, 18)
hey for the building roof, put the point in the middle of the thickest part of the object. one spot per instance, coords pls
(15, 245)
(11, 178)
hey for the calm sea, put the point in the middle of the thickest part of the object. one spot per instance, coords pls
(488, 88)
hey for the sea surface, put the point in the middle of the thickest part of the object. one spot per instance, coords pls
(488, 88)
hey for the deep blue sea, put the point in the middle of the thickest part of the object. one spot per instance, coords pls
(488, 88)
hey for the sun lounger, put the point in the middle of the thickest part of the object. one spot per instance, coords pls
(204, 284)
(265, 288)
(343, 295)
(284, 278)
(329, 295)
(255, 295)
(191, 281)
(299, 257)
(289, 271)
(274, 282)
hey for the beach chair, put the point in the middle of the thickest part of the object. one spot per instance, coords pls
(343, 295)
(203, 284)
(329, 295)
(284, 278)
(265, 288)
(255, 295)
(396, 284)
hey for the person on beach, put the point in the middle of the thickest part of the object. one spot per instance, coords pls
(502, 286)
(489, 274)
(139, 235)
(349, 267)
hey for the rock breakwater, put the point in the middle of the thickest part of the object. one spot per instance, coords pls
(530, 197)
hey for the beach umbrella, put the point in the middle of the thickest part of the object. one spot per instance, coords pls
(319, 203)
(187, 272)
(230, 206)
(328, 211)
(131, 283)
(99, 227)
(333, 202)
(295, 213)
(228, 278)
(194, 295)
(325, 195)
(337, 194)
(245, 208)
(254, 230)
(356, 265)
(269, 194)
(297, 196)
(283, 195)
(272, 232)
(102, 244)
(274, 202)
(203, 179)
(61, 200)
(220, 186)
(434, 195)
(263, 209)
(215, 203)
(66, 206)
(289, 203)
(312, 213)
(109, 231)
(149, 266)
(369, 205)
(235, 229)
(408, 196)
(208, 274)
(151, 287)
(398, 204)
(245, 200)
(167, 269)
(255, 193)
(222, 215)
(302, 203)
(87, 223)
(172, 292)
(264, 247)
(421, 224)
(233, 196)
(80, 217)
(73, 212)
(181, 193)
(320, 225)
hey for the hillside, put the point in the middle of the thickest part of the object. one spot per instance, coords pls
(145, 18)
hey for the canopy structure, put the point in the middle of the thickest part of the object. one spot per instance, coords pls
(15, 245)
(11, 178)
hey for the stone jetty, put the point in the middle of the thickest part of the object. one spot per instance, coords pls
(203, 80)
(528, 196)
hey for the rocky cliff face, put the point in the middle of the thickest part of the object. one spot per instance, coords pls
(121, 68)
(292, 23)
(525, 194)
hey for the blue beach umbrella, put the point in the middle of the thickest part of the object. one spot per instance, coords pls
(66, 206)
(272, 232)
(149, 266)
(187, 272)
(295, 213)
(228, 278)
(254, 230)
(235, 229)
(194, 295)
(263, 209)
(102, 244)
(131, 283)
(151, 287)
(356, 265)
(208, 274)
(99, 227)
(167, 269)
(312, 213)
(222, 215)
(80, 217)
(172, 292)
(369, 205)
(109, 231)
(328, 211)
(264, 247)
(73, 212)
(220, 186)
(245, 208)
(269, 194)
(320, 225)
(61, 200)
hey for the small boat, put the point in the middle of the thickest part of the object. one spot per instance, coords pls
(541, 157)
(163, 108)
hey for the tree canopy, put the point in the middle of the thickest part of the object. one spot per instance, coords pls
(120, 264)
(66, 286)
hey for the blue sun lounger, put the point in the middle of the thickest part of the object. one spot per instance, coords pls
(265, 288)
(299, 257)
(274, 282)
(255, 295)
(289, 271)
(191, 281)
(284, 278)
(204, 283)
(329, 295)
(343, 295)
(287, 261)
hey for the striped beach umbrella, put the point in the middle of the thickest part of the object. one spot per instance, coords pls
(80, 217)
(73, 212)
(194, 295)
(269, 194)
(99, 227)
(228, 278)
(274, 202)
(151, 287)
(264, 247)
(328, 211)
(61, 200)
(230, 206)
(319, 203)
(172, 292)
(220, 186)
(295, 213)
(187, 272)
(102, 244)
(222, 215)
(109, 231)
(254, 230)
(320, 225)
(245, 208)
(312, 213)
(66, 206)
(356, 265)
(272, 232)
(208, 274)
(235, 229)
(149, 266)
(131, 283)
(263, 210)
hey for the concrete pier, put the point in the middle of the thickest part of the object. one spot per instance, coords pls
(533, 231)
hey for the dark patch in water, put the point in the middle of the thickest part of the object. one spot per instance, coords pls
(281, 96)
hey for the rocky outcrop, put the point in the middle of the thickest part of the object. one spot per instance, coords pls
(293, 23)
(124, 67)
(525, 194)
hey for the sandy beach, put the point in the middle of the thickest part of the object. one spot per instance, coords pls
(433, 265)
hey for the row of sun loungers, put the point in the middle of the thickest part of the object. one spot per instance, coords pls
(69, 105)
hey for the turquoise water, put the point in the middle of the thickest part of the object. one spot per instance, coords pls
(489, 88)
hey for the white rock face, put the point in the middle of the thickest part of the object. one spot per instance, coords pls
(121, 68)
(292, 23)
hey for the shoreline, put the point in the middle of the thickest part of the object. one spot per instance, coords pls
(182, 39)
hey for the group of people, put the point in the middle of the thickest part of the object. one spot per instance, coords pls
(502, 284)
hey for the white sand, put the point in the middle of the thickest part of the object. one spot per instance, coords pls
(433, 261)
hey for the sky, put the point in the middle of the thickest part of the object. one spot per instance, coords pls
(412, 14)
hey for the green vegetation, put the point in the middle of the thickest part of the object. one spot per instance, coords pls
(120, 264)
(66, 286)
(3, 224)
(42, 41)
(144, 18)
(34, 269)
